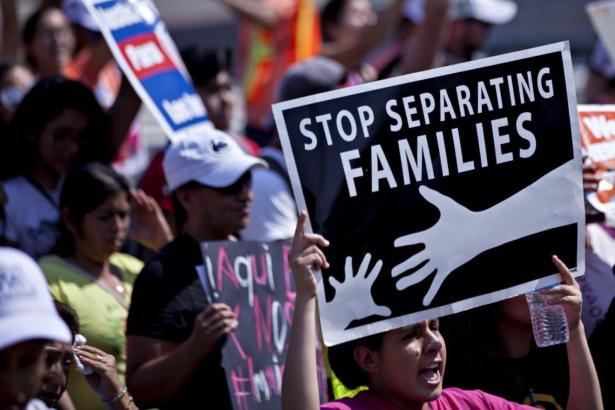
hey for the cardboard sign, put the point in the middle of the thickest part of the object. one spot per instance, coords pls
(439, 191)
(602, 16)
(148, 57)
(255, 280)
(597, 124)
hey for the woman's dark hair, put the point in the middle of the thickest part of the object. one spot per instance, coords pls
(85, 188)
(203, 65)
(69, 316)
(345, 367)
(48, 99)
(30, 27)
(330, 16)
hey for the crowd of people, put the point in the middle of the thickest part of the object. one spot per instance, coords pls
(100, 302)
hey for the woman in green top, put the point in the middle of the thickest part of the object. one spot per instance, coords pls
(87, 272)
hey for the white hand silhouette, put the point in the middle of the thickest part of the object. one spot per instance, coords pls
(461, 234)
(454, 224)
(353, 298)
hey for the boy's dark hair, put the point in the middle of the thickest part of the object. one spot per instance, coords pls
(345, 367)
(69, 316)
(203, 65)
(48, 99)
(85, 188)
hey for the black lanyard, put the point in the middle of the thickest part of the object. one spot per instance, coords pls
(43, 192)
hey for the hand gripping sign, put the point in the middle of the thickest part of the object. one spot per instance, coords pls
(148, 57)
(439, 191)
(255, 280)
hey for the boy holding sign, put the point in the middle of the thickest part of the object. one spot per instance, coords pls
(404, 367)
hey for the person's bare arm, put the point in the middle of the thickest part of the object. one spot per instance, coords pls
(151, 361)
(584, 391)
(426, 41)
(122, 113)
(258, 12)
(350, 55)
(300, 381)
(10, 30)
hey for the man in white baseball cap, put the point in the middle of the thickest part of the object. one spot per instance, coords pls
(471, 21)
(28, 319)
(172, 327)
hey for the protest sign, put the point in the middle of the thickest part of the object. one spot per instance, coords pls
(441, 190)
(602, 16)
(597, 124)
(148, 57)
(255, 280)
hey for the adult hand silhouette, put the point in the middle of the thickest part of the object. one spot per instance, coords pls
(449, 233)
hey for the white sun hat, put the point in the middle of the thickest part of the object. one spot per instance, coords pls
(26, 309)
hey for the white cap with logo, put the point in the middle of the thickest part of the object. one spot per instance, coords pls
(212, 158)
(488, 11)
(26, 309)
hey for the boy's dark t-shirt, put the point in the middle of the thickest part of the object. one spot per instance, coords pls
(166, 298)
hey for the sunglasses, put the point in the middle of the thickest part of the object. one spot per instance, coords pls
(236, 187)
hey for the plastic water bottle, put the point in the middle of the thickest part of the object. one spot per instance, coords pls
(548, 321)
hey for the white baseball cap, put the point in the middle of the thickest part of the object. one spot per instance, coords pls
(26, 309)
(212, 158)
(488, 11)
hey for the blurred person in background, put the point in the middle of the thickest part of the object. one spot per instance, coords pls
(28, 320)
(600, 84)
(49, 42)
(371, 45)
(58, 124)
(470, 25)
(88, 272)
(492, 349)
(210, 71)
(50, 45)
(274, 34)
(351, 29)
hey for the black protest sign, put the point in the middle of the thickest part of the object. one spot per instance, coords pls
(439, 191)
(255, 280)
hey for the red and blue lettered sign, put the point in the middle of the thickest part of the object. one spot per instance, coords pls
(148, 57)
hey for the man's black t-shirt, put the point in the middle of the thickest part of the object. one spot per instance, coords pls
(166, 299)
